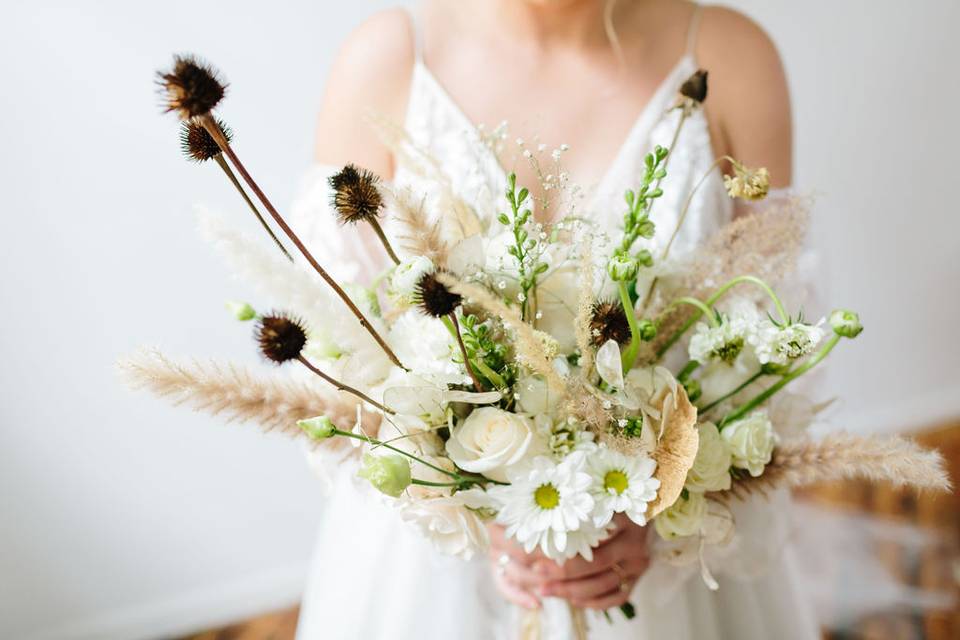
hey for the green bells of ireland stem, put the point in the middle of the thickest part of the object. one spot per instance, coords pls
(389, 474)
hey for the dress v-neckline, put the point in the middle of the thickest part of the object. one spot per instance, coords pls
(643, 123)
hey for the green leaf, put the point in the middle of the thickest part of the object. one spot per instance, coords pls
(543, 266)
(504, 220)
(523, 196)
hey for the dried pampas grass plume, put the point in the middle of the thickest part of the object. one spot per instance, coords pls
(843, 456)
(421, 237)
(231, 390)
(583, 326)
(529, 347)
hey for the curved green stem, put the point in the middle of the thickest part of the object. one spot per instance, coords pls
(784, 381)
(427, 483)
(627, 357)
(702, 307)
(380, 443)
(712, 300)
(740, 388)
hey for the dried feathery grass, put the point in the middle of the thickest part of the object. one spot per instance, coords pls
(843, 456)
(585, 311)
(765, 244)
(421, 237)
(528, 346)
(585, 404)
(421, 163)
(292, 287)
(275, 402)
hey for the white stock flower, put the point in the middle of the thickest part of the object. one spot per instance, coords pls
(490, 441)
(751, 441)
(451, 527)
(621, 484)
(683, 518)
(406, 275)
(548, 505)
(711, 467)
(780, 345)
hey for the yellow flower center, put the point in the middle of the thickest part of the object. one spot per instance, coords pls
(546, 496)
(616, 480)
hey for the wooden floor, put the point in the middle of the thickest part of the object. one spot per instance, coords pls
(938, 568)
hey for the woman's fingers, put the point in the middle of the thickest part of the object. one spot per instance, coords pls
(516, 594)
(501, 545)
(584, 588)
(617, 550)
(522, 576)
(609, 600)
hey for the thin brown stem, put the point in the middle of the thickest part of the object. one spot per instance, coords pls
(236, 183)
(343, 387)
(463, 351)
(383, 240)
(210, 124)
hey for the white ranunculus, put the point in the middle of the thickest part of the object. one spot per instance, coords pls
(490, 440)
(711, 467)
(406, 276)
(751, 441)
(683, 518)
(451, 527)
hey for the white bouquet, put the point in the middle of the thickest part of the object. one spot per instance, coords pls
(517, 373)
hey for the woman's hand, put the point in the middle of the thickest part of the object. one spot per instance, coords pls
(602, 583)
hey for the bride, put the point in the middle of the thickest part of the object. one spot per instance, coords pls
(597, 77)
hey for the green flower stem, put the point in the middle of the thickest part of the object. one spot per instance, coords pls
(490, 374)
(680, 220)
(379, 443)
(702, 307)
(383, 240)
(450, 321)
(712, 300)
(627, 357)
(740, 388)
(784, 381)
(427, 483)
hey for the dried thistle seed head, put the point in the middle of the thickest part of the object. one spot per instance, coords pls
(355, 194)
(434, 298)
(280, 337)
(192, 88)
(197, 144)
(609, 322)
(695, 86)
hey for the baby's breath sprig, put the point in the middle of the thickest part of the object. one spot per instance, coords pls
(524, 248)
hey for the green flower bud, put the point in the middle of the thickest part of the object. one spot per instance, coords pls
(845, 323)
(388, 474)
(648, 330)
(241, 311)
(622, 268)
(644, 258)
(692, 387)
(318, 428)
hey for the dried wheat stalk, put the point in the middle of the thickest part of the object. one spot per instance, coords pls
(843, 456)
(231, 390)
(529, 348)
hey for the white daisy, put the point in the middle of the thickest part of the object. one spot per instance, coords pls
(780, 345)
(621, 484)
(549, 505)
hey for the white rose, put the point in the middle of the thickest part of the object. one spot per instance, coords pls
(711, 467)
(751, 441)
(683, 518)
(490, 440)
(451, 527)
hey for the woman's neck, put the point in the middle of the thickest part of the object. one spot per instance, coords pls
(548, 24)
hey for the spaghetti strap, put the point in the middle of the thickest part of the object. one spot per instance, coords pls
(415, 33)
(692, 29)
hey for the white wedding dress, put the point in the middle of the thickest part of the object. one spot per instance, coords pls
(374, 577)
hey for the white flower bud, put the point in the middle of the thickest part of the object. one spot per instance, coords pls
(622, 268)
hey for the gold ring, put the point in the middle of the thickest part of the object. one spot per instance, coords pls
(622, 576)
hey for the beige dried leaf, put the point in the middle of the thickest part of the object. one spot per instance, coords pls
(676, 449)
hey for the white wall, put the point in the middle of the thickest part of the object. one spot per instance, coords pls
(123, 518)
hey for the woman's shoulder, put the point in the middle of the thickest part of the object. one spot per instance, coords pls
(370, 73)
